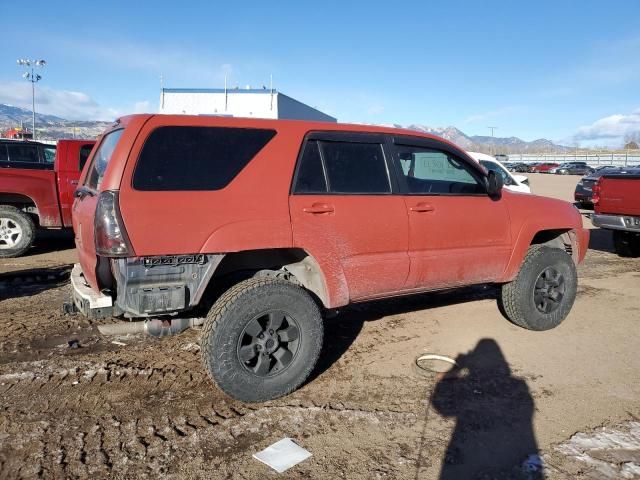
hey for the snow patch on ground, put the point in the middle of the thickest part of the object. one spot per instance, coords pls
(612, 452)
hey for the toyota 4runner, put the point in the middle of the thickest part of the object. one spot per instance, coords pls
(267, 224)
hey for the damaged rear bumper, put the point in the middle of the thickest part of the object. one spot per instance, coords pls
(89, 302)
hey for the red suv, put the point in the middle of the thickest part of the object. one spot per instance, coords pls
(267, 224)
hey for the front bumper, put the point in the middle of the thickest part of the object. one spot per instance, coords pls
(616, 222)
(89, 302)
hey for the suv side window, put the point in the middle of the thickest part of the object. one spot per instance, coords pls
(311, 177)
(355, 168)
(428, 171)
(196, 158)
(4, 156)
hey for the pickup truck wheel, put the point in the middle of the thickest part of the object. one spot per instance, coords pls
(626, 244)
(17, 232)
(543, 293)
(261, 339)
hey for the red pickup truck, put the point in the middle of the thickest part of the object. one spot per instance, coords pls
(616, 200)
(37, 182)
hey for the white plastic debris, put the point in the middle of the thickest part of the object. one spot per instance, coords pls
(116, 342)
(282, 455)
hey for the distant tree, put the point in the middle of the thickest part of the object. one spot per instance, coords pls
(632, 145)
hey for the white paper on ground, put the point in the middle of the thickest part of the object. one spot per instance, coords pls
(282, 455)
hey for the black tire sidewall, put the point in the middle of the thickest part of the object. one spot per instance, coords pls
(547, 257)
(28, 231)
(226, 369)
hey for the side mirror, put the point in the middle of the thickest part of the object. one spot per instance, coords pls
(494, 184)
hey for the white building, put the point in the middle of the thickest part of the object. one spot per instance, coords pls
(258, 103)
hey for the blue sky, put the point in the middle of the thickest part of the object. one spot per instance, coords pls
(564, 70)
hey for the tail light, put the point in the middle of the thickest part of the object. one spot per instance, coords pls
(110, 234)
(595, 193)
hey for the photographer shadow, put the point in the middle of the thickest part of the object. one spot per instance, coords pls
(494, 412)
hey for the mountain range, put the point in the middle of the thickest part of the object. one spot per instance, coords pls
(52, 128)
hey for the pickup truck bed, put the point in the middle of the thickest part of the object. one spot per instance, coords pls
(616, 201)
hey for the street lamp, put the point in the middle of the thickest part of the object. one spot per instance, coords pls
(33, 77)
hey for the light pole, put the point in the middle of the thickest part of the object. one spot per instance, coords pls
(33, 77)
(492, 129)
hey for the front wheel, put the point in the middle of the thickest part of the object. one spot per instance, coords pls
(261, 339)
(543, 293)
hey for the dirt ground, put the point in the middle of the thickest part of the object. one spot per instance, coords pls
(142, 407)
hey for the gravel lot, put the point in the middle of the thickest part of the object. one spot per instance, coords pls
(144, 408)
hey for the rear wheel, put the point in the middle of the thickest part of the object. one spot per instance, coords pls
(261, 339)
(543, 293)
(17, 232)
(626, 244)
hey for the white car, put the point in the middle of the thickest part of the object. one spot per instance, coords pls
(516, 183)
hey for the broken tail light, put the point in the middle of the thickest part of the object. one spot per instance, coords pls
(110, 235)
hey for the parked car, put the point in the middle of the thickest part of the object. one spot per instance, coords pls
(543, 167)
(274, 222)
(584, 188)
(516, 183)
(572, 168)
(603, 167)
(37, 182)
(521, 168)
(501, 157)
(616, 200)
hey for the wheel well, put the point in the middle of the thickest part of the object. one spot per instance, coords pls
(290, 263)
(21, 202)
(564, 239)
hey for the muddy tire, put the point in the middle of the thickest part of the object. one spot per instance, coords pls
(543, 293)
(262, 339)
(626, 244)
(17, 232)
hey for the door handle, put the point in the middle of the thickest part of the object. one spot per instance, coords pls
(319, 208)
(73, 182)
(422, 207)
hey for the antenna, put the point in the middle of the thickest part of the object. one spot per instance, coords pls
(271, 88)
(492, 130)
(225, 93)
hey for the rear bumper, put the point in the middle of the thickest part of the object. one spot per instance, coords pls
(616, 222)
(89, 302)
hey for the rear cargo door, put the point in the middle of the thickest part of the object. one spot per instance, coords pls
(84, 206)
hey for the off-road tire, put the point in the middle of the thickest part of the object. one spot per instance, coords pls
(626, 244)
(27, 226)
(227, 321)
(517, 297)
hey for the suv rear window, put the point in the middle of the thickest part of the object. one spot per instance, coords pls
(101, 159)
(196, 158)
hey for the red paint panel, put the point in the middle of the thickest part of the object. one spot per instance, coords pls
(456, 240)
(39, 186)
(619, 196)
(363, 235)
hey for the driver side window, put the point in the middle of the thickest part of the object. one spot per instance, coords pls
(434, 172)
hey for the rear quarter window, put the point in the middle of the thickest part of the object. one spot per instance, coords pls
(196, 158)
(101, 159)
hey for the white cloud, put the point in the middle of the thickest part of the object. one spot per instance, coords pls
(66, 104)
(612, 127)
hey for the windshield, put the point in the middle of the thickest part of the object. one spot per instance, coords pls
(101, 159)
